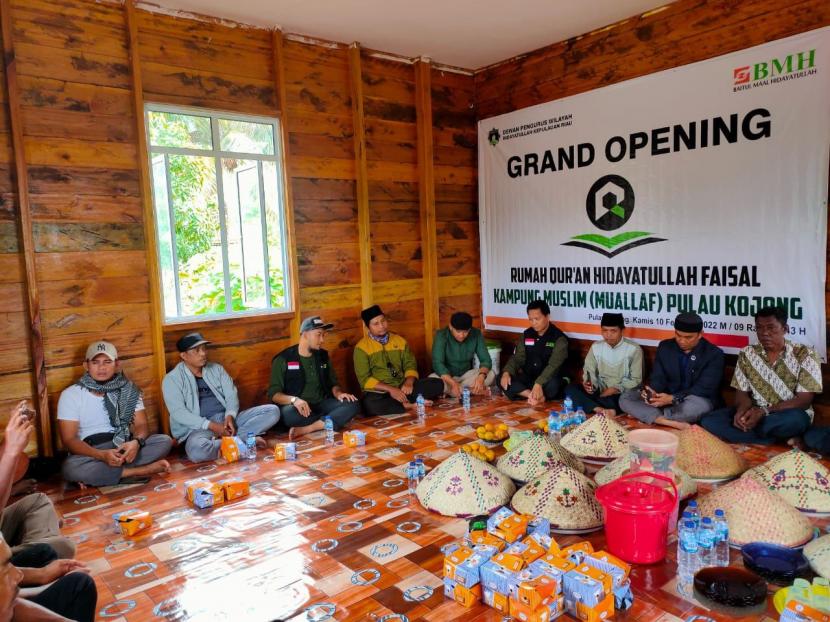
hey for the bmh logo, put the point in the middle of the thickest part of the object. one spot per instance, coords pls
(609, 205)
(775, 68)
(494, 137)
(741, 75)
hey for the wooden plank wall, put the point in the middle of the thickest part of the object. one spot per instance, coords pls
(81, 151)
(683, 32)
(16, 375)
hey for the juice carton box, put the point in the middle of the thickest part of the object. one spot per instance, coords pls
(131, 523)
(496, 578)
(285, 451)
(235, 488)
(497, 517)
(354, 438)
(453, 559)
(466, 597)
(577, 551)
(554, 567)
(532, 593)
(512, 528)
(468, 572)
(539, 526)
(549, 608)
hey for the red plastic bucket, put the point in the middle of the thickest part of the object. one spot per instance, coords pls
(637, 516)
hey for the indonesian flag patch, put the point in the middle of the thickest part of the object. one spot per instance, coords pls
(293, 365)
(530, 342)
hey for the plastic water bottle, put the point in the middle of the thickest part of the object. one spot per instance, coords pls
(465, 399)
(686, 516)
(687, 552)
(422, 469)
(706, 542)
(421, 408)
(580, 416)
(692, 509)
(250, 447)
(722, 542)
(328, 426)
(412, 477)
(554, 431)
(568, 403)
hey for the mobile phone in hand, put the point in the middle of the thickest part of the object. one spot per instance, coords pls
(29, 414)
(649, 394)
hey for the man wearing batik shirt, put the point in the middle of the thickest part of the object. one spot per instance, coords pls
(775, 381)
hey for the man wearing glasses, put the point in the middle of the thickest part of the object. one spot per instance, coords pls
(387, 371)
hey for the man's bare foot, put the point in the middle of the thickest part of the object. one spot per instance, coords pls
(24, 487)
(159, 466)
(297, 432)
(608, 412)
(260, 443)
(797, 442)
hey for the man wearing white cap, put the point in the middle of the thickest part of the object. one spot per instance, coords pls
(304, 385)
(102, 423)
(204, 404)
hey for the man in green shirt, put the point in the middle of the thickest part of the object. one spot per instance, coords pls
(386, 369)
(454, 353)
(304, 385)
(533, 372)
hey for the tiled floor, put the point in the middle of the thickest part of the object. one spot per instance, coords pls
(332, 536)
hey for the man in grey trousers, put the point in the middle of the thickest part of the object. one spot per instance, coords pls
(204, 404)
(102, 423)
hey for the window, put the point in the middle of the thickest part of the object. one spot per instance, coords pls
(218, 197)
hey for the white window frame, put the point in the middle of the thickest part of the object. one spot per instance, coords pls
(218, 154)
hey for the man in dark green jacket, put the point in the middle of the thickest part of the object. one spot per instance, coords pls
(454, 353)
(533, 372)
(304, 385)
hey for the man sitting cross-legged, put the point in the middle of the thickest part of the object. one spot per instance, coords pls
(102, 423)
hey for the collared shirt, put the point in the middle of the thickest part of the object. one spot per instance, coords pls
(620, 367)
(796, 370)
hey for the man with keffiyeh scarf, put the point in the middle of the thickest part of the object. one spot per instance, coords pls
(102, 423)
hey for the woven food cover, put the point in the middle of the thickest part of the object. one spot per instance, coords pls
(817, 553)
(704, 456)
(802, 481)
(563, 496)
(535, 456)
(755, 514)
(598, 437)
(464, 486)
(685, 484)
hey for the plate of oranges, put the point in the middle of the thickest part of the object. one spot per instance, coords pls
(492, 432)
(477, 450)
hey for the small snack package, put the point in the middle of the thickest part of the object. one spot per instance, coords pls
(354, 438)
(466, 597)
(190, 487)
(208, 496)
(553, 567)
(235, 488)
(130, 523)
(531, 593)
(549, 609)
(603, 610)
(453, 559)
(496, 600)
(285, 451)
(609, 564)
(230, 449)
(577, 551)
(468, 573)
(486, 538)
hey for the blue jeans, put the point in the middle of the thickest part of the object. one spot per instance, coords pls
(202, 445)
(776, 427)
(818, 438)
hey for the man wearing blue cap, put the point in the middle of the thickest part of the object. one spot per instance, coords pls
(304, 385)
(204, 404)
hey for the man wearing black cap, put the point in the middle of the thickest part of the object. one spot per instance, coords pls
(533, 372)
(204, 404)
(386, 369)
(613, 365)
(685, 380)
(304, 385)
(454, 353)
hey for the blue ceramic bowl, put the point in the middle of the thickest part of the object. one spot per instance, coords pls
(775, 563)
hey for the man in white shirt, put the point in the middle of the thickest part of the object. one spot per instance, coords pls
(102, 423)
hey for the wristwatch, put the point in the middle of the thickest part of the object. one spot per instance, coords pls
(293, 399)
(141, 442)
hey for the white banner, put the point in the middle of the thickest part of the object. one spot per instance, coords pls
(703, 188)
